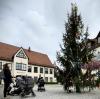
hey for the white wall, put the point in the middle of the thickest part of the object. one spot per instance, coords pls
(97, 53)
(25, 61)
(15, 72)
(19, 60)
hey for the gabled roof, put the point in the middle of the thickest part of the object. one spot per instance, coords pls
(95, 39)
(7, 53)
(98, 35)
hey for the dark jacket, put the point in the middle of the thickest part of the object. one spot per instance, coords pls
(41, 81)
(7, 76)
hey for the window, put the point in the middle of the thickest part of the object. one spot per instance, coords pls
(24, 67)
(21, 54)
(35, 69)
(0, 65)
(29, 69)
(41, 70)
(98, 52)
(21, 66)
(18, 66)
(98, 39)
(89, 45)
(46, 70)
(51, 71)
(51, 79)
(46, 79)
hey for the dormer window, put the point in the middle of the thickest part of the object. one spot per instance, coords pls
(21, 54)
(89, 45)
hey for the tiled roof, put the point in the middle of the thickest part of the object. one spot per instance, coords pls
(7, 53)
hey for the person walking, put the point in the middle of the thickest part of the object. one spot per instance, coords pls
(41, 84)
(7, 79)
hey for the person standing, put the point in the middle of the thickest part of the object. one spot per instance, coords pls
(7, 79)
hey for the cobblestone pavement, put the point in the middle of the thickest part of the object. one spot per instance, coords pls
(57, 92)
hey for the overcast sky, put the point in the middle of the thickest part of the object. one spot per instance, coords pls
(40, 23)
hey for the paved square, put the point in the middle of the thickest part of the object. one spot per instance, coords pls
(57, 92)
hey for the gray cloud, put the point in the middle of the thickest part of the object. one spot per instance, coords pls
(40, 23)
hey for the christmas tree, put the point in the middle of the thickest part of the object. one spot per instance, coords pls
(74, 50)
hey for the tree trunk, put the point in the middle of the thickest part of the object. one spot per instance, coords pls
(78, 88)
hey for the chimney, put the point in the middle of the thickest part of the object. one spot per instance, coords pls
(29, 49)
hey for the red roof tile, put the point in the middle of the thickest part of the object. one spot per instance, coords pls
(7, 52)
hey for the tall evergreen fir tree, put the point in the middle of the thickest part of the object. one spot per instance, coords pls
(74, 51)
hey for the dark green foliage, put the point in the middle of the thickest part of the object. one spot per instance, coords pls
(58, 74)
(74, 51)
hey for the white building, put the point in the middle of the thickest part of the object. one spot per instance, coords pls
(94, 44)
(26, 62)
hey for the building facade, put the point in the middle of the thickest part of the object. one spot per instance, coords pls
(94, 44)
(26, 62)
